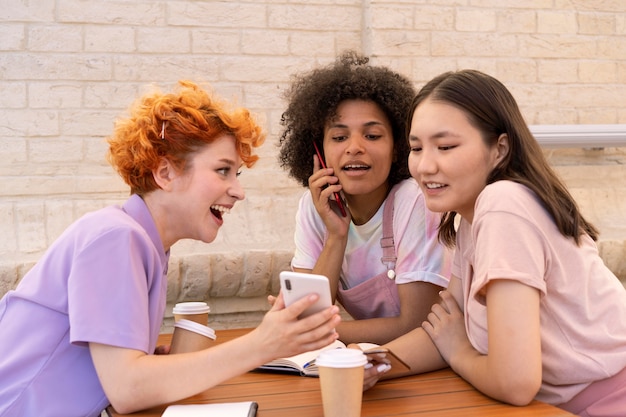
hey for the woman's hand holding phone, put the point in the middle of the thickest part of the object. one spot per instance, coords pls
(325, 189)
(338, 200)
(283, 332)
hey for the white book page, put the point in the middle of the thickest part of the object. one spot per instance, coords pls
(235, 409)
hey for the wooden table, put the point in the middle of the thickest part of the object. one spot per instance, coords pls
(440, 393)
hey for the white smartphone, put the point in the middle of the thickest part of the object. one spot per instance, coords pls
(296, 285)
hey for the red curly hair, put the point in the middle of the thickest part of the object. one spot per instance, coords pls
(175, 126)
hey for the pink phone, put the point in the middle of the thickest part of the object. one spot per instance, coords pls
(337, 196)
(296, 285)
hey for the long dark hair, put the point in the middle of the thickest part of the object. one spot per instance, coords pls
(492, 110)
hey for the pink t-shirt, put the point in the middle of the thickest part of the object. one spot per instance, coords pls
(583, 304)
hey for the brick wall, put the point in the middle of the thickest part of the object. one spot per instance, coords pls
(69, 67)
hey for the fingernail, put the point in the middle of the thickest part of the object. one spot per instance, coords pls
(382, 368)
(368, 365)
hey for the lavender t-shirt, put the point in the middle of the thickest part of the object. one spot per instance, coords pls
(104, 281)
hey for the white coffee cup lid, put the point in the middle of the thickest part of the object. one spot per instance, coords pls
(192, 326)
(341, 358)
(191, 307)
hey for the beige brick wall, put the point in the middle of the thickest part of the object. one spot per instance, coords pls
(69, 67)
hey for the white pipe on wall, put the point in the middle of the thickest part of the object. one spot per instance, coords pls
(580, 136)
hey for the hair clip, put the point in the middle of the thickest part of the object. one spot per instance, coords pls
(163, 130)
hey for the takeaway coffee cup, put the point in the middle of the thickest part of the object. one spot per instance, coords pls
(195, 311)
(190, 336)
(341, 381)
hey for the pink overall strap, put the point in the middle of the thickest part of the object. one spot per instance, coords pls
(386, 242)
(606, 397)
(377, 296)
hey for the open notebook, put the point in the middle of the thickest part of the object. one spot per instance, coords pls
(235, 409)
(304, 363)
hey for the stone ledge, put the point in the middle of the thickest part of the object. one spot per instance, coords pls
(225, 275)
(613, 252)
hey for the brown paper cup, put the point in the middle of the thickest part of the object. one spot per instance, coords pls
(341, 381)
(190, 336)
(196, 311)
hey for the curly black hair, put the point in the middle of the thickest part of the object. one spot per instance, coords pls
(313, 100)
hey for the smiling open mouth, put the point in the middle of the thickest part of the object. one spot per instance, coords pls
(218, 210)
(356, 167)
